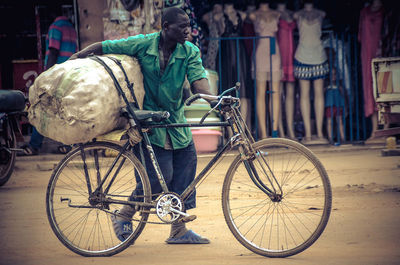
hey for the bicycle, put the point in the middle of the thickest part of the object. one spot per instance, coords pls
(276, 195)
(12, 104)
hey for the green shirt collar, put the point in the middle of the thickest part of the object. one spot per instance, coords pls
(179, 51)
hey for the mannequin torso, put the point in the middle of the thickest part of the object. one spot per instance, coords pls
(376, 5)
(266, 24)
(250, 9)
(230, 13)
(310, 14)
(264, 13)
(286, 14)
(209, 17)
(214, 32)
(309, 21)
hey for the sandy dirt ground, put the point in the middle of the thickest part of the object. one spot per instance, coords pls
(364, 227)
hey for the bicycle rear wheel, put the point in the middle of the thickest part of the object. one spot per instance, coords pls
(7, 157)
(287, 225)
(85, 227)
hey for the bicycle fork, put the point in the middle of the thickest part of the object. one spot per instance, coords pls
(249, 155)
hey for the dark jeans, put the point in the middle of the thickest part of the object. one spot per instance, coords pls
(178, 168)
(36, 139)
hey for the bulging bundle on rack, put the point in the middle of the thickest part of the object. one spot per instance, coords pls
(77, 100)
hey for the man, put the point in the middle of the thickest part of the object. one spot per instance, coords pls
(166, 58)
(61, 43)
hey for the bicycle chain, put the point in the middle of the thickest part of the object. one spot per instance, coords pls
(133, 219)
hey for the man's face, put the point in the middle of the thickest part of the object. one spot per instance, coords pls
(179, 30)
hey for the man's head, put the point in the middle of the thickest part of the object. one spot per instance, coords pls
(56, 10)
(175, 25)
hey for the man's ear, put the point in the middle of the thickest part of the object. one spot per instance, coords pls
(165, 25)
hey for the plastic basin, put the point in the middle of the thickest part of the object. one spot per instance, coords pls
(206, 140)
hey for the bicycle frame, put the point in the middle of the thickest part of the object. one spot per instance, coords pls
(155, 164)
(241, 137)
(187, 192)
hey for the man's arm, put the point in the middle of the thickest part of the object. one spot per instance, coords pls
(95, 48)
(201, 86)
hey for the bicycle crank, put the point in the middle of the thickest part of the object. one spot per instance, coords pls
(169, 208)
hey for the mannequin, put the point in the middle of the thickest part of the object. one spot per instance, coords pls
(212, 50)
(266, 24)
(230, 23)
(311, 65)
(369, 35)
(286, 45)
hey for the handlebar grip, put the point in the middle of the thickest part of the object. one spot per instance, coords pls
(191, 99)
(237, 85)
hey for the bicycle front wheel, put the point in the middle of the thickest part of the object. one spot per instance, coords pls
(82, 224)
(292, 221)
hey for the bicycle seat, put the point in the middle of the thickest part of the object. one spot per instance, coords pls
(11, 100)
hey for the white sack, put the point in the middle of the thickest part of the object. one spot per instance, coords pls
(77, 100)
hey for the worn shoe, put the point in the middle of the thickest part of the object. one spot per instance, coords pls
(122, 227)
(189, 237)
(28, 150)
(64, 149)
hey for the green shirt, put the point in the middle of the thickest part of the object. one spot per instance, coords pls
(163, 92)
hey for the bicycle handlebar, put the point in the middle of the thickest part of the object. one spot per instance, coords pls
(210, 98)
(236, 87)
(214, 101)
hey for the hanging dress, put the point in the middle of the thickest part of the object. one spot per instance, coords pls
(248, 31)
(369, 35)
(212, 49)
(334, 101)
(234, 63)
(286, 46)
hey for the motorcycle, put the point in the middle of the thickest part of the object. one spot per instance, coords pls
(12, 106)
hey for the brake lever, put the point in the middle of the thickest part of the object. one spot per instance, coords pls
(212, 109)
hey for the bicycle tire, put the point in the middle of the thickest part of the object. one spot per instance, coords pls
(290, 225)
(7, 162)
(89, 231)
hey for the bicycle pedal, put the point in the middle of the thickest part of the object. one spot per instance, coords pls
(186, 219)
